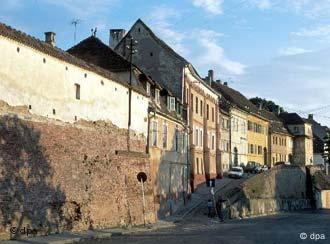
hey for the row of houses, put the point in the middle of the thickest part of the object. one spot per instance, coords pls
(194, 128)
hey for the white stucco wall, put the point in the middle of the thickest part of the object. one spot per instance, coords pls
(239, 135)
(26, 80)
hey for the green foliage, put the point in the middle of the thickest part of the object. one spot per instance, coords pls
(267, 105)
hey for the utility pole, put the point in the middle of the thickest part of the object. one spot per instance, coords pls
(131, 47)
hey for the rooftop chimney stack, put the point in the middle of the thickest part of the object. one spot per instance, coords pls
(50, 38)
(115, 37)
(211, 76)
(310, 117)
(225, 83)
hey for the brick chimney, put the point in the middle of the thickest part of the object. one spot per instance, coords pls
(50, 38)
(115, 37)
(211, 75)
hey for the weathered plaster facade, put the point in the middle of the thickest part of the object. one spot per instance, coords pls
(224, 142)
(302, 143)
(239, 143)
(202, 102)
(169, 169)
(48, 86)
(257, 137)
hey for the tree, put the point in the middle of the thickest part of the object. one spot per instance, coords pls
(267, 105)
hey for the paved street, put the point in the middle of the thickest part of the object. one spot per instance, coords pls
(283, 228)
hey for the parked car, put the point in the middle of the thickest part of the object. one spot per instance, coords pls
(264, 168)
(236, 172)
(282, 163)
(249, 167)
(252, 167)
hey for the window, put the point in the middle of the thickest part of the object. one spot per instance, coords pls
(148, 88)
(171, 103)
(296, 129)
(197, 166)
(212, 114)
(176, 140)
(213, 142)
(54, 111)
(201, 138)
(249, 125)
(151, 54)
(192, 101)
(196, 104)
(77, 91)
(196, 137)
(157, 98)
(201, 107)
(207, 111)
(260, 150)
(251, 148)
(165, 136)
(154, 133)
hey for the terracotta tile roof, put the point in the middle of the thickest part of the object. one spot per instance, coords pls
(55, 52)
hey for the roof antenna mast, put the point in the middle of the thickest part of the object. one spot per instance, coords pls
(75, 22)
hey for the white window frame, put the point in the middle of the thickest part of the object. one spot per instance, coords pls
(165, 135)
(154, 133)
(148, 88)
(157, 96)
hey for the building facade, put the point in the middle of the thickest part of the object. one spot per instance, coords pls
(257, 137)
(167, 140)
(224, 137)
(176, 75)
(280, 143)
(202, 102)
(303, 138)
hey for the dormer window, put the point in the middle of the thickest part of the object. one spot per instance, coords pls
(157, 96)
(148, 88)
(171, 103)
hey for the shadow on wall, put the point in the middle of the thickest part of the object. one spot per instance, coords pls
(28, 198)
(171, 180)
(283, 188)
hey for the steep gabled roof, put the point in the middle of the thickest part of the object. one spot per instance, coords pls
(235, 98)
(156, 38)
(93, 50)
(292, 119)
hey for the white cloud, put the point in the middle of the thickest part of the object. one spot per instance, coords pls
(160, 22)
(213, 55)
(300, 81)
(308, 8)
(292, 51)
(212, 6)
(261, 4)
(319, 31)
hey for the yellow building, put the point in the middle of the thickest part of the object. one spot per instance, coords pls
(257, 137)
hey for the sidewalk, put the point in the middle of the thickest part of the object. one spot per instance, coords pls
(65, 238)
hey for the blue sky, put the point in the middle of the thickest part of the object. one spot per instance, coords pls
(277, 49)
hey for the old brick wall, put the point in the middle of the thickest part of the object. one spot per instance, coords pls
(57, 176)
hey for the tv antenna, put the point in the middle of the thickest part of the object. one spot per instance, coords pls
(75, 22)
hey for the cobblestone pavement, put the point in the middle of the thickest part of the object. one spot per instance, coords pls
(284, 228)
